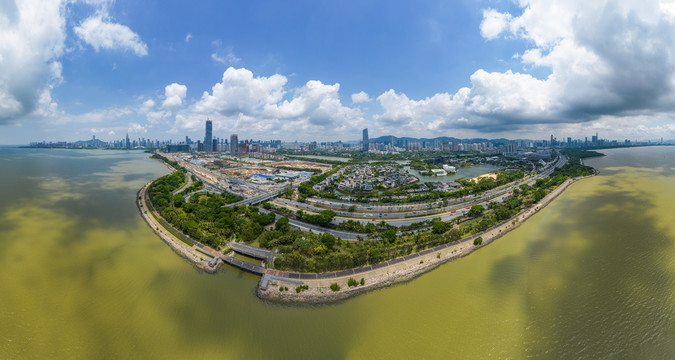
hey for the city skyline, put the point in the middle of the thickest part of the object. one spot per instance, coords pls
(71, 70)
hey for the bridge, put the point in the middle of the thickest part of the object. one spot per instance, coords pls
(254, 252)
(256, 199)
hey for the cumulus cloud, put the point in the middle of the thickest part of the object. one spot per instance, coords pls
(263, 105)
(494, 23)
(608, 59)
(241, 93)
(174, 93)
(360, 97)
(317, 103)
(32, 35)
(188, 37)
(100, 33)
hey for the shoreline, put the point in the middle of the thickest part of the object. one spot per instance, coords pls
(179, 247)
(319, 291)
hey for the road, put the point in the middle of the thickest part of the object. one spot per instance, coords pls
(346, 235)
(446, 213)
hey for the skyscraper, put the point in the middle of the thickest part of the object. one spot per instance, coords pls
(208, 139)
(234, 145)
(365, 140)
(127, 142)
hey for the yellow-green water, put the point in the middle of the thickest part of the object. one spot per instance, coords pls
(591, 276)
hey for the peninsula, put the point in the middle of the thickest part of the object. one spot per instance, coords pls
(324, 230)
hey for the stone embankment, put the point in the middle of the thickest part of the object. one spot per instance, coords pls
(320, 289)
(199, 260)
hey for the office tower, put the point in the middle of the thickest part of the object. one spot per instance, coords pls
(234, 145)
(365, 140)
(128, 143)
(208, 139)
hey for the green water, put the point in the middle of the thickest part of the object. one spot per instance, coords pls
(465, 172)
(591, 276)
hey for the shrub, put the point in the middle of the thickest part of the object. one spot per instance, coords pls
(363, 282)
(281, 288)
(335, 287)
(351, 282)
(477, 241)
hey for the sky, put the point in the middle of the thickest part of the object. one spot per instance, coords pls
(323, 70)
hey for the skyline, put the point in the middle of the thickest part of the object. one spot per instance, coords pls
(486, 69)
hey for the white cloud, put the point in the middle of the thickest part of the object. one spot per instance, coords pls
(241, 93)
(32, 35)
(135, 128)
(360, 97)
(188, 37)
(316, 103)
(149, 104)
(225, 55)
(262, 105)
(605, 59)
(175, 93)
(100, 33)
(494, 23)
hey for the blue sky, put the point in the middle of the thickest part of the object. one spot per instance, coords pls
(323, 70)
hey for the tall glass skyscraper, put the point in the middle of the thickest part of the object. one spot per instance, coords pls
(208, 139)
(234, 145)
(365, 140)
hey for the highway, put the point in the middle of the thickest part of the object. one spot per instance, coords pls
(447, 213)
(396, 215)
(346, 235)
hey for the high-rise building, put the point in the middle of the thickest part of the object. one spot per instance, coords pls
(234, 145)
(208, 139)
(127, 143)
(365, 140)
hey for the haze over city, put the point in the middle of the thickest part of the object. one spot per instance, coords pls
(308, 71)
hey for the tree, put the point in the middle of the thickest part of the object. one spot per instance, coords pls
(328, 240)
(250, 230)
(178, 200)
(352, 208)
(282, 225)
(326, 216)
(539, 194)
(476, 210)
(389, 235)
(439, 227)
